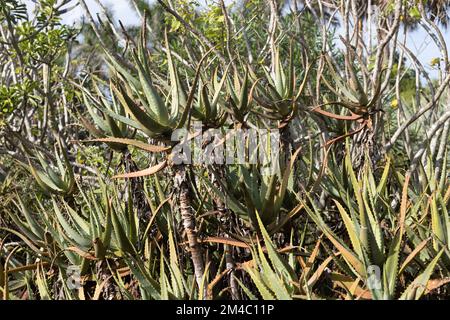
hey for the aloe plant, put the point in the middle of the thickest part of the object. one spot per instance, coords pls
(355, 207)
(371, 249)
(104, 125)
(152, 116)
(279, 96)
(59, 179)
(276, 281)
(210, 105)
(262, 193)
(239, 101)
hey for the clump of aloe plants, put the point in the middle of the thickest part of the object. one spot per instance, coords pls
(224, 152)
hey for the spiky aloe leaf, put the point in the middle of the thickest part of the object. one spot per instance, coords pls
(125, 246)
(91, 105)
(179, 97)
(384, 177)
(279, 263)
(178, 283)
(271, 278)
(352, 229)
(22, 237)
(437, 226)
(246, 290)
(31, 221)
(41, 282)
(117, 66)
(143, 173)
(132, 142)
(413, 255)
(243, 99)
(148, 286)
(81, 240)
(416, 289)
(107, 233)
(146, 122)
(349, 256)
(280, 79)
(82, 225)
(284, 183)
(391, 266)
(157, 109)
(262, 288)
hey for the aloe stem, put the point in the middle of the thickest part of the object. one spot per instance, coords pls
(188, 219)
(225, 214)
(235, 295)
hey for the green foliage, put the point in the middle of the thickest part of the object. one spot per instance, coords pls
(343, 215)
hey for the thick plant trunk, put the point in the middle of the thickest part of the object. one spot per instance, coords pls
(188, 219)
(366, 143)
(286, 144)
(235, 295)
(225, 217)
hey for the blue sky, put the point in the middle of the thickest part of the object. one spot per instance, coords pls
(418, 42)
